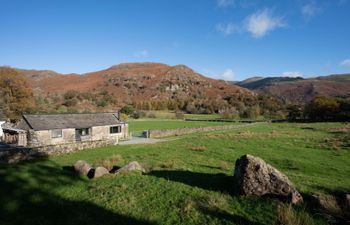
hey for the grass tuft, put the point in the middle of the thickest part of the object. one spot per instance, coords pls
(110, 162)
(224, 165)
(199, 148)
(287, 215)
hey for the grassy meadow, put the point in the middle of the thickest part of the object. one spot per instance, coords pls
(161, 124)
(169, 114)
(188, 180)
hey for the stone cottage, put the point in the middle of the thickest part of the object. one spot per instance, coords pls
(76, 129)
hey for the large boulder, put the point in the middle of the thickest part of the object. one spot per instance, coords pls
(82, 167)
(100, 171)
(131, 167)
(253, 176)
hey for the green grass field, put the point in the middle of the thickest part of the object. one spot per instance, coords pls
(188, 181)
(168, 114)
(146, 124)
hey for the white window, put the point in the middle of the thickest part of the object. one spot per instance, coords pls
(56, 133)
(83, 131)
(115, 129)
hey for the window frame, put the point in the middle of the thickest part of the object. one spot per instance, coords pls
(119, 129)
(56, 136)
(88, 133)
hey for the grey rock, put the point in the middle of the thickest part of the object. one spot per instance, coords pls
(82, 167)
(100, 171)
(253, 176)
(131, 167)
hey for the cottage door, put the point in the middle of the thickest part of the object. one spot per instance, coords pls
(77, 135)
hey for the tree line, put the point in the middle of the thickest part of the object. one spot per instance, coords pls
(321, 108)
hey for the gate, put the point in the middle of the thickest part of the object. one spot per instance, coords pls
(140, 134)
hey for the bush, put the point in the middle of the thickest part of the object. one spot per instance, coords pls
(151, 115)
(70, 102)
(230, 113)
(322, 108)
(128, 110)
(138, 114)
(179, 115)
(124, 117)
(252, 112)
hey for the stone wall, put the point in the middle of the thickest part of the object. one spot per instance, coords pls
(71, 147)
(17, 154)
(183, 131)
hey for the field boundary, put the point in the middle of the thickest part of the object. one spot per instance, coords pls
(184, 131)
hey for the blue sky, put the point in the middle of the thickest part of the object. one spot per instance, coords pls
(226, 39)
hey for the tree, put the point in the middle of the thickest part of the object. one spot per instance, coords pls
(252, 112)
(323, 108)
(128, 109)
(295, 112)
(16, 95)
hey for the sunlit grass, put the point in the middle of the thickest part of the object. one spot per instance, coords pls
(188, 181)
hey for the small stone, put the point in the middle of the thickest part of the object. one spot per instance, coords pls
(100, 171)
(131, 167)
(82, 167)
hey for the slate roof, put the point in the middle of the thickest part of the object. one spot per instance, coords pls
(74, 120)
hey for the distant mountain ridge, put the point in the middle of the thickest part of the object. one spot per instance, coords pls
(300, 90)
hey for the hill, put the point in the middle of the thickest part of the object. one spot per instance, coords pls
(147, 85)
(300, 90)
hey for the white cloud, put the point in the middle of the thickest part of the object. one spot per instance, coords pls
(227, 29)
(310, 9)
(141, 54)
(345, 62)
(228, 75)
(261, 22)
(225, 3)
(292, 74)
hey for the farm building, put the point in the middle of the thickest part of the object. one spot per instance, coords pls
(65, 129)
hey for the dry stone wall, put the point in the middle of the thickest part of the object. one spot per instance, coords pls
(183, 131)
(14, 155)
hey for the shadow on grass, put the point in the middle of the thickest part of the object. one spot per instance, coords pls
(28, 195)
(216, 182)
(224, 216)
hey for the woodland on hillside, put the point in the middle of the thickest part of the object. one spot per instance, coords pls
(18, 97)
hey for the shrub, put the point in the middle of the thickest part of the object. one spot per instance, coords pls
(138, 114)
(124, 117)
(128, 109)
(179, 115)
(151, 115)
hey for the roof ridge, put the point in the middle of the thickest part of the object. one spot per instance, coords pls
(83, 113)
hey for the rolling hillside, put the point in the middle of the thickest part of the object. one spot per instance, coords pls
(133, 80)
(134, 83)
(299, 90)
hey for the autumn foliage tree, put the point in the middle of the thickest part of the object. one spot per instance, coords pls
(323, 108)
(16, 95)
